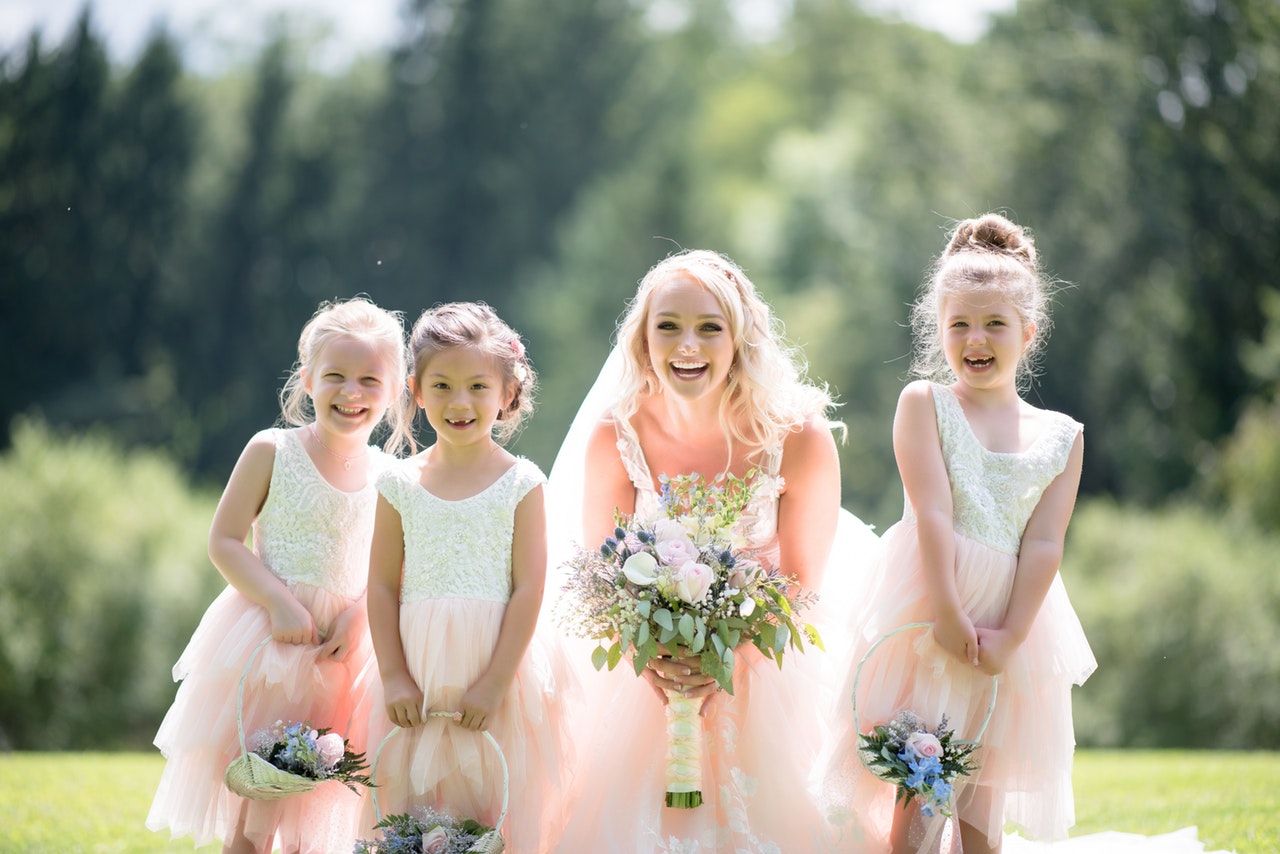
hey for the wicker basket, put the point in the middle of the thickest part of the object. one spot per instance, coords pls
(863, 756)
(491, 842)
(251, 776)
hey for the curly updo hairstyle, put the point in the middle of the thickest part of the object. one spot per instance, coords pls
(987, 254)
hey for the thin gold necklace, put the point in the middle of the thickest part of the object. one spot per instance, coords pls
(346, 461)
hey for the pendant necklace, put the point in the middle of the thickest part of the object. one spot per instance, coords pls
(346, 461)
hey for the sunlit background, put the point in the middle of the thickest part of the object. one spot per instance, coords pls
(182, 183)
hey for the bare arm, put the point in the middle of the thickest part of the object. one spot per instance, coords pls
(1039, 557)
(241, 501)
(528, 575)
(918, 450)
(809, 508)
(386, 563)
(607, 486)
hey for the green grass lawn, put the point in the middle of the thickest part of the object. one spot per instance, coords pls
(97, 802)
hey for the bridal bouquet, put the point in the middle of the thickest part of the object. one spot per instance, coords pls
(291, 758)
(918, 761)
(682, 585)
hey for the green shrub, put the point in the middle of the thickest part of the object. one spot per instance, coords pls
(1182, 608)
(103, 576)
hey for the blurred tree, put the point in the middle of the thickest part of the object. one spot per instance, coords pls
(92, 176)
(103, 577)
(242, 300)
(497, 116)
(1147, 164)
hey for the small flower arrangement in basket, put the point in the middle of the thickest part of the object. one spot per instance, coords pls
(433, 832)
(681, 585)
(289, 759)
(293, 758)
(920, 762)
(428, 832)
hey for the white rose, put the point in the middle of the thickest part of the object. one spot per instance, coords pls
(748, 607)
(641, 568)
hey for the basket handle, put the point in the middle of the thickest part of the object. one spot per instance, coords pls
(455, 717)
(991, 705)
(244, 749)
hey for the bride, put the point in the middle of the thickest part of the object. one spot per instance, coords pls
(701, 381)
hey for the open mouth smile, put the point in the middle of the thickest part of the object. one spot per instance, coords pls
(689, 370)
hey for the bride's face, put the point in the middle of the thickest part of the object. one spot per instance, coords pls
(689, 340)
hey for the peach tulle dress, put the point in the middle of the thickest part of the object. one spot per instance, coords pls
(759, 745)
(1027, 748)
(316, 538)
(454, 593)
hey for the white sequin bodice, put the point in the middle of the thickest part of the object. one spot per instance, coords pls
(758, 524)
(458, 549)
(311, 532)
(994, 494)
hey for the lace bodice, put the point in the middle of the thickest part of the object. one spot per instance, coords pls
(758, 524)
(458, 549)
(311, 532)
(993, 494)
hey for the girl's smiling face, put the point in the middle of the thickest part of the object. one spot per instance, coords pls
(688, 339)
(462, 391)
(351, 384)
(983, 338)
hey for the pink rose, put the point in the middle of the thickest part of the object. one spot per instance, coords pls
(926, 745)
(436, 841)
(331, 748)
(672, 543)
(693, 581)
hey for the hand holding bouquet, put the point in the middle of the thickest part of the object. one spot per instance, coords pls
(682, 585)
(918, 761)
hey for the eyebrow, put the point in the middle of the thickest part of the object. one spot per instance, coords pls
(715, 316)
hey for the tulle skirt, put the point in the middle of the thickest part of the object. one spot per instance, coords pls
(286, 682)
(758, 748)
(1026, 750)
(448, 644)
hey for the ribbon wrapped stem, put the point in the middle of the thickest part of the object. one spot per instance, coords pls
(684, 752)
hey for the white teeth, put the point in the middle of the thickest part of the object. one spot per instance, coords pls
(688, 366)
(345, 411)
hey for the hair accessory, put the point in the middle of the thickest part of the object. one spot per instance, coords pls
(517, 348)
(346, 461)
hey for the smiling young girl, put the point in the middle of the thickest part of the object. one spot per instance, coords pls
(455, 586)
(306, 493)
(990, 484)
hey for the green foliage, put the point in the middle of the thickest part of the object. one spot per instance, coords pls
(103, 576)
(1180, 608)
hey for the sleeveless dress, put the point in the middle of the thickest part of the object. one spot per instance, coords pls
(759, 745)
(454, 593)
(1026, 752)
(316, 538)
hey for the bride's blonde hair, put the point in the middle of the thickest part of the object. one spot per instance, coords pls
(768, 394)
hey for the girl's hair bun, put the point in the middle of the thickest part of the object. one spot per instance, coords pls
(993, 233)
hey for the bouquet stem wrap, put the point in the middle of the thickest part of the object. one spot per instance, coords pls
(684, 751)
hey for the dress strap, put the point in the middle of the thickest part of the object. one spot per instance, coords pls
(632, 454)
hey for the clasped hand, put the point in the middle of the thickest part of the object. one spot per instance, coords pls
(682, 675)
